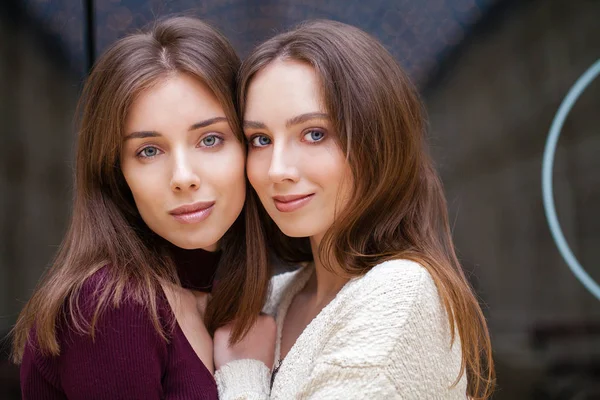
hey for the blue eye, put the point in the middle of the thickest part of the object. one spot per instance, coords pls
(148, 152)
(211, 141)
(260, 141)
(314, 136)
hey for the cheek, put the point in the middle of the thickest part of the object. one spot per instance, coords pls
(143, 186)
(333, 174)
(230, 176)
(257, 168)
(234, 167)
(325, 165)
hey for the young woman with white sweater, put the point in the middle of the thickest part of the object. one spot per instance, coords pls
(380, 307)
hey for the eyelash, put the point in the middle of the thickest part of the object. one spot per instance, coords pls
(316, 130)
(219, 142)
(139, 154)
(259, 135)
(219, 139)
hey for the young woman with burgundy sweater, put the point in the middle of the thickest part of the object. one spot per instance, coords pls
(159, 203)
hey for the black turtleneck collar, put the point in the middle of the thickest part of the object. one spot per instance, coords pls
(196, 268)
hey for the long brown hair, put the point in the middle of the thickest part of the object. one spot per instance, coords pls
(106, 228)
(398, 209)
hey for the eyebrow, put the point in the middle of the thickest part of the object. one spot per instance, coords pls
(207, 122)
(299, 119)
(197, 125)
(142, 135)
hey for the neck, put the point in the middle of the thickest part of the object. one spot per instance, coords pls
(324, 284)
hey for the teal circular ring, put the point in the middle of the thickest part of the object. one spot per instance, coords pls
(547, 168)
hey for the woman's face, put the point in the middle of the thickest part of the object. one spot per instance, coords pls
(294, 162)
(183, 163)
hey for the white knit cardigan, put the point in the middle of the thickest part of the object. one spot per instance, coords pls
(384, 336)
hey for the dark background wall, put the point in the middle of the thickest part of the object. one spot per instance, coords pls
(492, 73)
(490, 111)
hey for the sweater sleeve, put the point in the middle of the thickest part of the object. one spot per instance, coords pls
(243, 380)
(425, 363)
(125, 360)
(251, 379)
(36, 382)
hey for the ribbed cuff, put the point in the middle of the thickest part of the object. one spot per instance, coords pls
(243, 379)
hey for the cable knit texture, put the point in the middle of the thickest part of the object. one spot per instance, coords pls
(384, 336)
(252, 384)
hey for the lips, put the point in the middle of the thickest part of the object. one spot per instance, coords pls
(293, 202)
(193, 213)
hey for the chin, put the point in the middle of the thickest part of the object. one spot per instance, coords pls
(295, 231)
(190, 243)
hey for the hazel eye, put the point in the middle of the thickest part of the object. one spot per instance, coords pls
(314, 135)
(260, 141)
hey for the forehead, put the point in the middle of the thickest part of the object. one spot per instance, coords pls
(178, 97)
(283, 89)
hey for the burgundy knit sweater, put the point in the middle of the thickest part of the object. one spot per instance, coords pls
(127, 359)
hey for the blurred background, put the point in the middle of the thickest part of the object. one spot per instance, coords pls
(493, 75)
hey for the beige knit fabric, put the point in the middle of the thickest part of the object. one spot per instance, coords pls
(384, 336)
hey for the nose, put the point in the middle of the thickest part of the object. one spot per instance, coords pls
(283, 165)
(184, 175)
